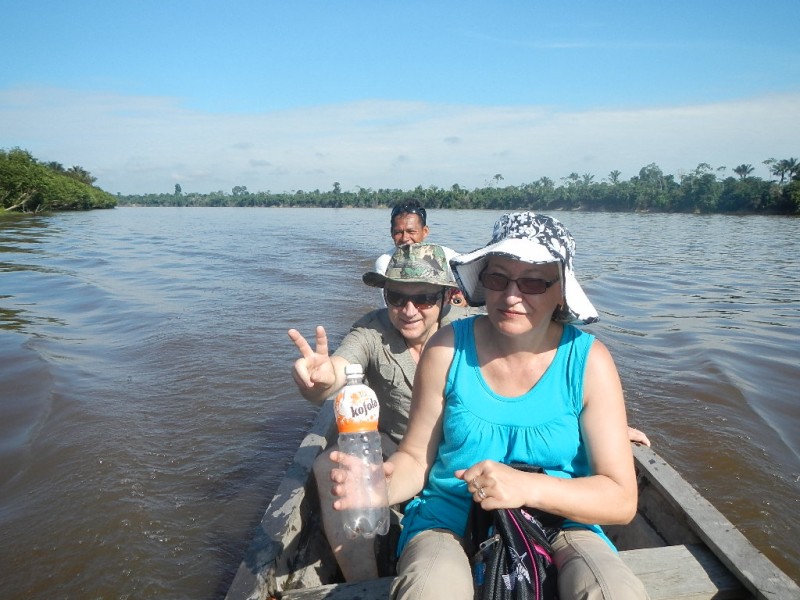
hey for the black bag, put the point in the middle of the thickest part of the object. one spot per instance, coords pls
(513, 555)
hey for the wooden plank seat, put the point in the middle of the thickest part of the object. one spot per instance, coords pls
(682, 572)
(373, 589)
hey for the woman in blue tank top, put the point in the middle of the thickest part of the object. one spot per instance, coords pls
(520, 384)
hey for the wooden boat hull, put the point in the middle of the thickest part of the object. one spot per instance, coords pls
(679, 545)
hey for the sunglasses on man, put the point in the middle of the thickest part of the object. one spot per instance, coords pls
(421, 301)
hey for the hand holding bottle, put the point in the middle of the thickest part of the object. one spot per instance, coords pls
(340, 473)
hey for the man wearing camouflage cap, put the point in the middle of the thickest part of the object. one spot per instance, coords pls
(387, 343)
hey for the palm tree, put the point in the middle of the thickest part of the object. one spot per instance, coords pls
(743, 170)
(613, 177)
(571, 179)
(783, 168)
(792, 167)
(81, 174)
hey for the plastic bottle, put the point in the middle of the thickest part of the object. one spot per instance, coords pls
(357, 409)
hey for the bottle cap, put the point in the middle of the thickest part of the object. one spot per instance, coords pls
(353, 369)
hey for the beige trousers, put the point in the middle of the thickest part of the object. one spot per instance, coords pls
(588, 569)
(434, 565)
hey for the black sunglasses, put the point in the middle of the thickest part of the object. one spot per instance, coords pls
(527, 285)
(411, 209)
(421, 301)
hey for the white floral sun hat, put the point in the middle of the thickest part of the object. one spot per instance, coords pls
(530, 238)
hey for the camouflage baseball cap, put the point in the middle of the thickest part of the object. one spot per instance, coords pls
(414, 263)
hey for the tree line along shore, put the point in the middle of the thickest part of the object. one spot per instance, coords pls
(27, 185)
(30, 186)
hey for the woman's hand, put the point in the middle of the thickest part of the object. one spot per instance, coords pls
(495, 485)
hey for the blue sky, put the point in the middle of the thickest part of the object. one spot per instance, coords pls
(284, 96)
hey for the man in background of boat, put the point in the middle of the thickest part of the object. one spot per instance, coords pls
(409, 225)
(387, 343)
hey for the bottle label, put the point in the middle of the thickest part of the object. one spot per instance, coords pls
(356, 409)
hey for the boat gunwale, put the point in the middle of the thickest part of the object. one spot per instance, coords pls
(757, 573)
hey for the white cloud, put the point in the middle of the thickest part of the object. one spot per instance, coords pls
(138, 144)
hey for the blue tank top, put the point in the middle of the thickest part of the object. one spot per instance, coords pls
(540, 427)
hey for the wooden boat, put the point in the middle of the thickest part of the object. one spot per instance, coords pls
(679, 545)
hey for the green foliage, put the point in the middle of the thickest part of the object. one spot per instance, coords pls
(651, 190)
(26, 185)
(30, 186)
(788, 202)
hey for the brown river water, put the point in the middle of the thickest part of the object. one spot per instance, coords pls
(147, 412)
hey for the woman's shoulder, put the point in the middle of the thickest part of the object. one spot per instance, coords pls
(444, 336)
(461, 318)
(453, 312)
(576, 334)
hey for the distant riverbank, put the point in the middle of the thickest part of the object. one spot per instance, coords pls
(702, 191)
(30, 186)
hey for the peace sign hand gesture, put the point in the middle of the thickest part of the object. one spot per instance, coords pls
(315, 372)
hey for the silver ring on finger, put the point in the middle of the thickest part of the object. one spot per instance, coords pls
(481, 494)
